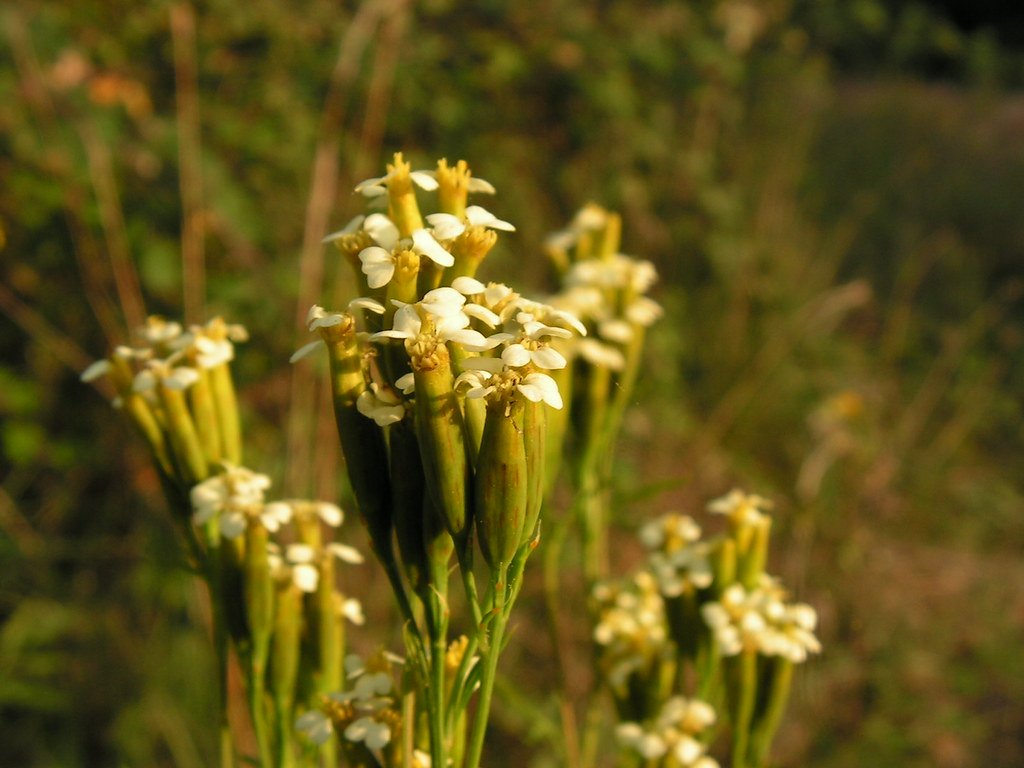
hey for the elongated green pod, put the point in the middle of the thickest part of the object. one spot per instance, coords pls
(501, 483)
(535, 447)
(228, 421)
(723, 561)
(741, 696)
(204, 412)
(442, 447)
(362, 442)
(232, 585)
(752, 564)
(407, 486)
(188, 453)
(259, 588)
(284, 665)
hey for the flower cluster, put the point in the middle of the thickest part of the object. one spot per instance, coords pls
(631, 632)
(678, 559)
(761, 620)
(677, 730)
(604, 288)
(176, 388)
(702, 615)
(363, 715)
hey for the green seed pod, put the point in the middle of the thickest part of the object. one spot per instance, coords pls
(501, 483)
(232, 586)
(259, 596)
(188, 453)
(361, 440)
(407, 485)
(723, 561)
(535, 446)
(200, 396)
(227, 412)
(442, 447)
(284, 664)
(751, 565)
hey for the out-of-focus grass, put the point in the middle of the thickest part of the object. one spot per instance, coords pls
(841, 267)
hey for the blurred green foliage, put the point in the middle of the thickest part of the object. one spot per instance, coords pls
(840, 248)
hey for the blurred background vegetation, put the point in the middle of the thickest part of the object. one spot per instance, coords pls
(831, 191)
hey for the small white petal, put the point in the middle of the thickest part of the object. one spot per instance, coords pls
(548, 357)
(515, 355)
(306, 577)
(468, 286)
(346, 553)
(352, 610)
(382, 230)
(181, 378)
(378, 736)
(316, 725)
(445, 226)
(483, 314)
(95, 371)
(424, 243)
(481, 217)
(331, 514)
(477, 184)
(407, 383)
(424, 180)
(370, 305)
(304, 351)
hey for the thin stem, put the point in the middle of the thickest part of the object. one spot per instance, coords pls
(476, 739)
(552, 572)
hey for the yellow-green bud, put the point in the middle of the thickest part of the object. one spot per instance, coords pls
(442, 446)
(501, 482)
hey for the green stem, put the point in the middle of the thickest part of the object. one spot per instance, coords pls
(476, 739)
(552, 585)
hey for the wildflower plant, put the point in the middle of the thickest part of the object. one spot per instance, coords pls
(454, 399)
(442, 388)
(269, 566)
(701, 628)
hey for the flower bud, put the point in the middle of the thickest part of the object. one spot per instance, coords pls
(501, 482)
(361, 442)
(440, 434)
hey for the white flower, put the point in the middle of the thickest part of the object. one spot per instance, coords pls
(539, 387)
(447, 322)
(352, 610)
(345, 553)
(379, 186)
(601, 355)
(95, 371)
(382, 230)
(381, 405)
(740, 507)
(158, 331)
(315, 725)
(236, 496)
(318, 318)
(481, 217)
(378, 266)
(374, 734)
(296, 565)
(424, 244)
